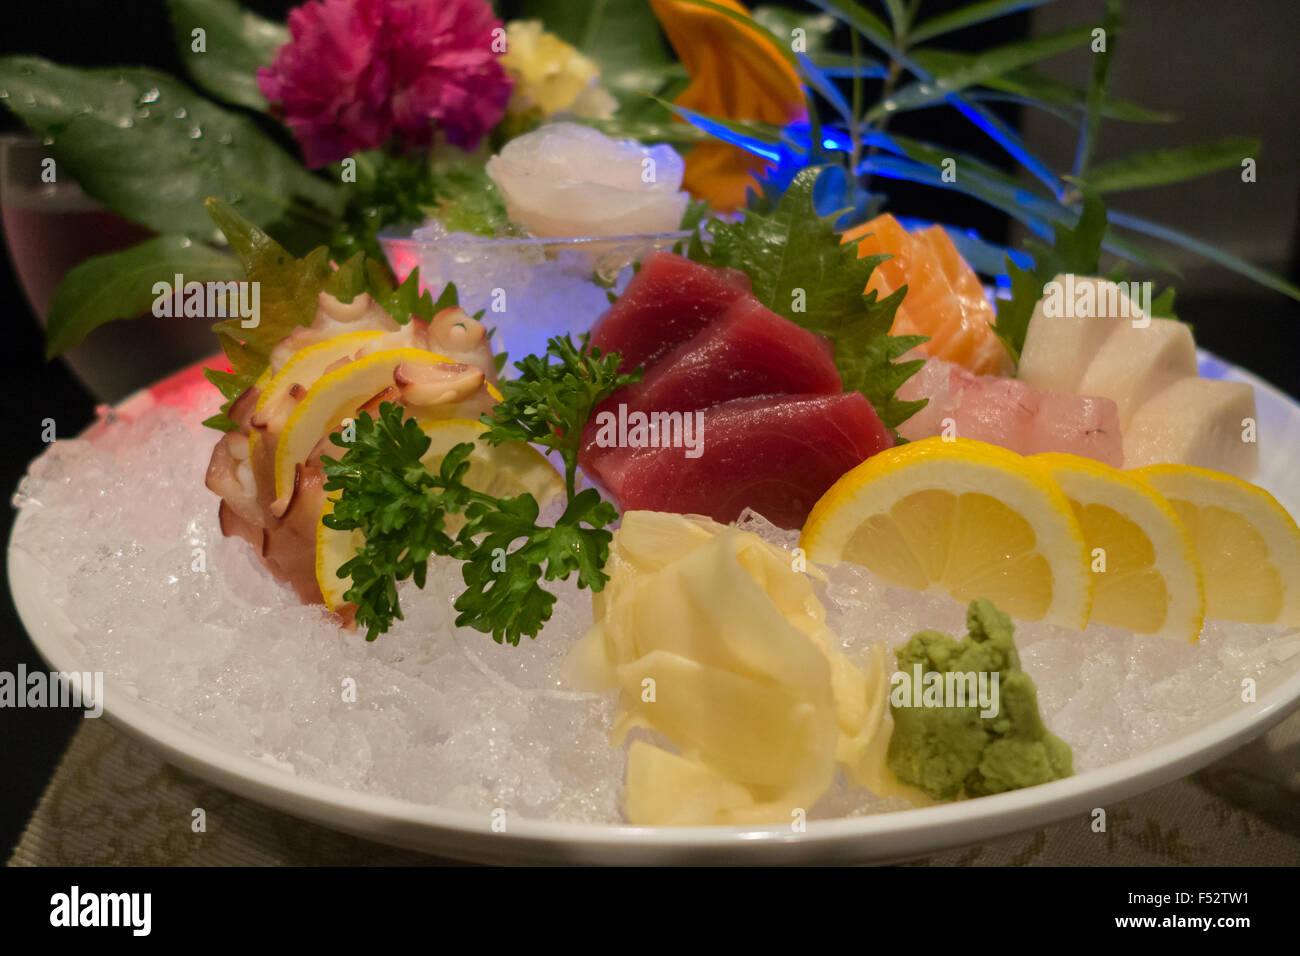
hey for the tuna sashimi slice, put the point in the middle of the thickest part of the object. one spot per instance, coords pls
(667, 302)
(749, 352)
(1011, 413)
(775, 455)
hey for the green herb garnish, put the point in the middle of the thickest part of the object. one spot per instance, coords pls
(550, 402)
(402, 508)
(802, 270)
(1076, 250)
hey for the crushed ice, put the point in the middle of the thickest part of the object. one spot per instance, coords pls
(192, 622)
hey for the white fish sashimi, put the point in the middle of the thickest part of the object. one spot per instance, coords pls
(1062, 342)
(1200, 422)
(1010, 413)
(1138, 362)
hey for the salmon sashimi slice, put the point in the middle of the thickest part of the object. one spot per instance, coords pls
(775, 455)
(945, 299)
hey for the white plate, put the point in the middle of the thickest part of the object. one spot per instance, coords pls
(876, 838)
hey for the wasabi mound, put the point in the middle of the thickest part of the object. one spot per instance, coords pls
(947, 750)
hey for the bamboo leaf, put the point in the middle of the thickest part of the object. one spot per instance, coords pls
(1160, 167)
(736, 132)
(932, 154)
(1034, 87)
(969, 16)
(1036, 213)
(898, 16)
(817, 27)
(1097, 90)
(979, 69)
(863, 20)
(828, 90)
(1203, 248)
(844, 65)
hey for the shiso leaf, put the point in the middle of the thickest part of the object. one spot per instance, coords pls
(290, 290)
(800, 269)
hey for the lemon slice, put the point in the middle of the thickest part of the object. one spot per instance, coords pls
(308, 364)
(1146, 577)
(498, 470)
(331, 398)
(963, 517)
(304, 367)
(1248, 546)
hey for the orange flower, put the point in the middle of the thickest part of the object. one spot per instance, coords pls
(736, 73)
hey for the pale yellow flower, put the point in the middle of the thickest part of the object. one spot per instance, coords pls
(551, 76)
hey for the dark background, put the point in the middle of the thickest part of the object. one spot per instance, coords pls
(1226, 68)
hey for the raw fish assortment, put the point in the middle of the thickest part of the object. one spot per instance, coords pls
(667, 302)
(774, 429)
(1084, 477)
(705, 406)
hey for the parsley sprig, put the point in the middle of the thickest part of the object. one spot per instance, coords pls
(402, 508)
(549, 403)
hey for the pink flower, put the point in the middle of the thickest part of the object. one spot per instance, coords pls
(356, 72)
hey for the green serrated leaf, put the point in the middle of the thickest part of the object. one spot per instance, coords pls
(236, 42)
(289, 292)
(120, 285)
(1075, 250)
(349, 280)
(800, 269)
(407, 299)
(1162, 306)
